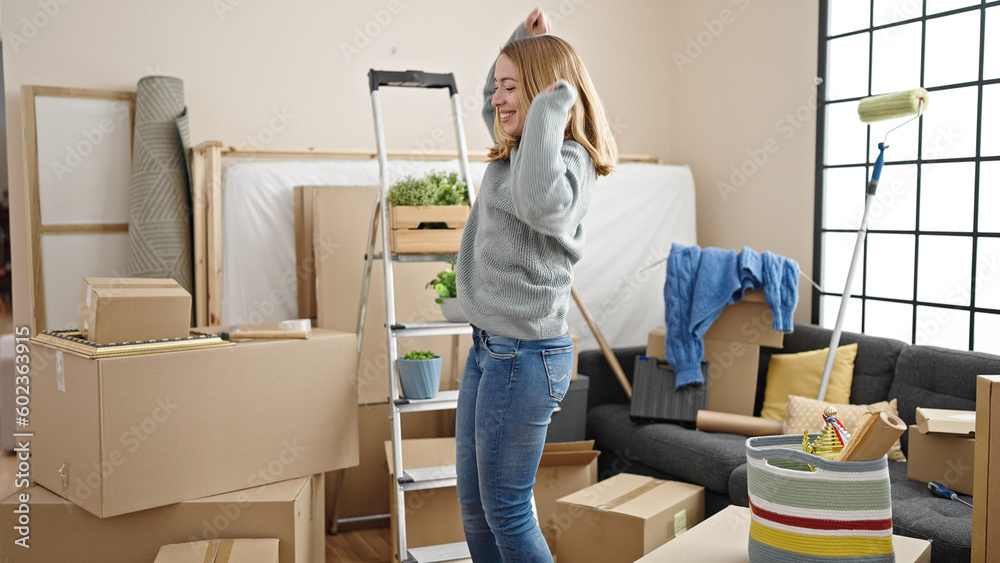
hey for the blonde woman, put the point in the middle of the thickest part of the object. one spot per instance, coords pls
(515, 271)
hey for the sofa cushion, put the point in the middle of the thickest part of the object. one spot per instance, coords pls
(919, 514)
(940, 378)
(874, 365)
(702, 458)
(801, 373)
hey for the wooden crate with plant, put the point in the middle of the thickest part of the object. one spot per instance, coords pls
(427, 215)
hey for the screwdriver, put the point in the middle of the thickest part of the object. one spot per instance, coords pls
(944, 492)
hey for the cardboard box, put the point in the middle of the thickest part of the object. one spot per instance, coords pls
(566, 468)
(133, 309)
(622, 518)
(291, 511)
(341, 218)
(946, 421)
(241, 550)
(432, 515)
(986, 509)
(943, 457)
(723, 539)
(117, 435)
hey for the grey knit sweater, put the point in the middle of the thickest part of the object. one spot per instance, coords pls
(524, 234)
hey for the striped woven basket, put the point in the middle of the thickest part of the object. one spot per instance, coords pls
(841, 511)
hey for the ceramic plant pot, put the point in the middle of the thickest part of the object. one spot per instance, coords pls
(419, 379)
(453, 310)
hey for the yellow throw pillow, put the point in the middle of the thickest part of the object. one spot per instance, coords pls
(807, 414)
(800, 374)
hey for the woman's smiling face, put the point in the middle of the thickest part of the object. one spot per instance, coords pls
(506, 98)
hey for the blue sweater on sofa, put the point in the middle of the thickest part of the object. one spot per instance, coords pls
(702, 282)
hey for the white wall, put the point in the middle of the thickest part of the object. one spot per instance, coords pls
(293, 74)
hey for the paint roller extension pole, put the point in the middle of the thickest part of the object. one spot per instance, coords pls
(609, 355)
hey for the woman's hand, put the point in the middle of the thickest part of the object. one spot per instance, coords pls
(537, 22)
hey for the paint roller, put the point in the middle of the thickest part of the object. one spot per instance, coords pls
(871, 109)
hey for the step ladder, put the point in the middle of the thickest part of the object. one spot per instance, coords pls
(429, 477)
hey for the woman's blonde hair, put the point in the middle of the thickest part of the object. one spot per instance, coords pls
(540, 61)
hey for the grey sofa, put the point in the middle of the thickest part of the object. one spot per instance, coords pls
(917, 376)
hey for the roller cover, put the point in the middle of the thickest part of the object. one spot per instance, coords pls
(889, 106)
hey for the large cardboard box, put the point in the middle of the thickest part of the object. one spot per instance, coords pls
(947, 454)
(723, 539)
(986, 509)
(566, 467)
(242, 550)
(117, 435)
(624, 517)
(133, 309)
(58, 530)
(340, 225)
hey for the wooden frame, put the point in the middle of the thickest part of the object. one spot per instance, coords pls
(35, 228)
(206, 190)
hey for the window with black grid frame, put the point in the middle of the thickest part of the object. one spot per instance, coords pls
(930, 268)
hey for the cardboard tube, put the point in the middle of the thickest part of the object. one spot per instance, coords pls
(713, 421)
(873, 437)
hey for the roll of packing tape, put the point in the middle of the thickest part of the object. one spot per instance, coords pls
(295, 324)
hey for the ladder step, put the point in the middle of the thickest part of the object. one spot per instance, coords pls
(421, 478)
(435, 553)
(444, 400)
(416, 257)
(435, 328)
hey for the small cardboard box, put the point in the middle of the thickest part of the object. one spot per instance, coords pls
(566, 467)
(622, 518)
(432, 515)
(986, 509)
(242, 550)
(122, 434)
(946, 421)
(723, 538)
(58, 530)
(942, 448)
(133, 309)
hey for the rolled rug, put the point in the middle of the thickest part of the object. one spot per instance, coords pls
(159, 236)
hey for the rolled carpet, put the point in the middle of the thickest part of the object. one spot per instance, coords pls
(159, 234)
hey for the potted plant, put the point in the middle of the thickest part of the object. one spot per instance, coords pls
(447, 295)
(427, 215)
(419, 374)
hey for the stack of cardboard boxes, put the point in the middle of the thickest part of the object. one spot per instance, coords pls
(129, 453)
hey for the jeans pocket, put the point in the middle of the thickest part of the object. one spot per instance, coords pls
(500, 347)
(559, 370)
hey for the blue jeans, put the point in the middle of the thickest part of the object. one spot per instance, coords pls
(509, 389)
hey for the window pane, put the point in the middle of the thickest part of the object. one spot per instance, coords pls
(938, 6)
(947, 192)
(987, 333)
(945, 270)
(830, 305)
(848, 15)
(896, 59)
(889, 320)
(989, 197)
(952, 53)
(943, 327)
(892, 11)
(837, 251)
(895, 205)
(848, 67)
(950, 123)
(990, 134)
(991, 60)
(988, 274)
(844, 198)
(845, 139)
(890, 266)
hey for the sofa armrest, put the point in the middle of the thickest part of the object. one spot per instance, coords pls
(604, 385)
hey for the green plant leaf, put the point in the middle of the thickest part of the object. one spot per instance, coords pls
(419, 355)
